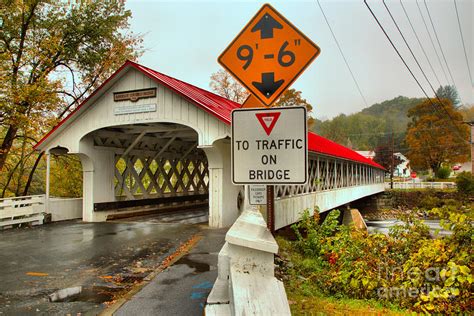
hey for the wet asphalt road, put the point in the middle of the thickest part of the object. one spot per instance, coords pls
(183, 288)
(103, 258)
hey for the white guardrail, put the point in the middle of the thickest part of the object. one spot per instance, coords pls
(23, 209)
(421, 185)
(32, 209)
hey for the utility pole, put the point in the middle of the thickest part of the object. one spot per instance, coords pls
(392, 162)
(471, 123)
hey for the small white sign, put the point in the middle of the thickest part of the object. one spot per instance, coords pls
(120, 109)
(257, 194)
(269, 146)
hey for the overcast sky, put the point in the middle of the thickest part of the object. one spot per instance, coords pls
(184, 38)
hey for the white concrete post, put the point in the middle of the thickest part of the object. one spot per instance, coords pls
(48, 171)
(98, 167)
(223, 193)
(245, 283)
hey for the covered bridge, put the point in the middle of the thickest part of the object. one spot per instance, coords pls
(146, 138)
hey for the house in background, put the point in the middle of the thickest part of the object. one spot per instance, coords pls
(370, 154)
(403, 170)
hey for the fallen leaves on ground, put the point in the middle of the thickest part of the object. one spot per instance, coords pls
(183, 248)
(36, 274)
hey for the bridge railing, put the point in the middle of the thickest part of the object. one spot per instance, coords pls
(421, 185)
(327, 173)
(332, 183)
(23, 209)
(32, 209)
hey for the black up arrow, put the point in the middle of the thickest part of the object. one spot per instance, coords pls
(268, 86)
(266, 25)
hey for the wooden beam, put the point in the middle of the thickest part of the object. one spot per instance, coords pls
(148, 153)
(150, 139)
(105, 206)
(164, 148)
(139, 137)
(189, 151)
(158, 130)
(126, 134)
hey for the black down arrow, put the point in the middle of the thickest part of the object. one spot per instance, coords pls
(266, 25)
(268, 86)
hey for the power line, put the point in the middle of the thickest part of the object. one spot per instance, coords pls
(395, 48)
(388, 133)
(463, 44)
(431, 40)
(416, 60)
(439, 43)
(423, 147)
(411, 72)
(419, 43)
(409, 48)
(343, 56)
(388, 37)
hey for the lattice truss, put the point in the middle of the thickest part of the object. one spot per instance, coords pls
(326, 173)
(155, 160)
(148, 177)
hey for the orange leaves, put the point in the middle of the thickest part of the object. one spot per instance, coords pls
(183, 248)
(434, 137)
(39, 274)
(225, 85)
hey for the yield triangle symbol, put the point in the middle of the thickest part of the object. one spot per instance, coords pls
(268, 120)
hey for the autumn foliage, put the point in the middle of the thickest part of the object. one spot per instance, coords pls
(52, 55)
(436, 135)
(407, 267)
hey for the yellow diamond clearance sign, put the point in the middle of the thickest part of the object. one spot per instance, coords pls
(268, 55)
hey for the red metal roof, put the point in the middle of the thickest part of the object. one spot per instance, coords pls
(212, 103)
(221, 108)
(325, 146)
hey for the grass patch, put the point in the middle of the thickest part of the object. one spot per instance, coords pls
(306, 299)
(405, 270)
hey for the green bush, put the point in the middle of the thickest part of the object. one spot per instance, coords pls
(343, 261)
(430, 201)
(443, 173)
(465, 183)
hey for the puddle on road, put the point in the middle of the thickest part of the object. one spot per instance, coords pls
(120, 284)
(95, 294)
(198, 266)
(170, 281)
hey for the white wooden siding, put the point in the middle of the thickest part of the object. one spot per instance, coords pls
(23, 209)
(171, 107)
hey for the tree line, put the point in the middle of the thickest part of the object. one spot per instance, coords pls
(52, 55)
(429, 132)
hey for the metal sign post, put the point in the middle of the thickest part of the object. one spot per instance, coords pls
(271, 208)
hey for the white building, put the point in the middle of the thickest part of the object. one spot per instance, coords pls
(403, 169)
(370, 154)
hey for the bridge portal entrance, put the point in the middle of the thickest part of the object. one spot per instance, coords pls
(149, 141)
(156, 166)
